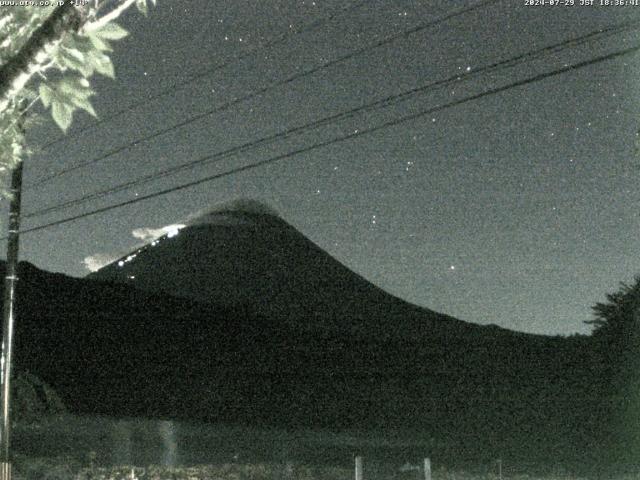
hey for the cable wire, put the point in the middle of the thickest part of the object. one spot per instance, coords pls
(343, 138)
(182, 84)
(570, 43)
(258, 92)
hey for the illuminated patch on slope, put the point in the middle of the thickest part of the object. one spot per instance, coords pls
(173, 230)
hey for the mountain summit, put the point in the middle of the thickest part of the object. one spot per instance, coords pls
(245, 255)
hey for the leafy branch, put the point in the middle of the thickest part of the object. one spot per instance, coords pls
(76, 41)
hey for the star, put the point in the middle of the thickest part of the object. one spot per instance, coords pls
(497, 143)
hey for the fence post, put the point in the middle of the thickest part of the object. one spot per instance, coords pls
(427, 469)
(359, 475)
(500, 469)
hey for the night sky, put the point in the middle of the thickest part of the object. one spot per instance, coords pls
(518, 209)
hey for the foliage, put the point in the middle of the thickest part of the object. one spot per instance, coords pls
(620, 315)
(60, 76)
(33, 399)
(617, 338)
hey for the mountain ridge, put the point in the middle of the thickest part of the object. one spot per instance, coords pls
(109, 348)
(255, 259)
(280, 333)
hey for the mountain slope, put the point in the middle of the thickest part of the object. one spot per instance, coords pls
(337, 350)
(110, 348)
(252, 258)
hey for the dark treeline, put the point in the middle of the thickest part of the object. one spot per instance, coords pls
(615, 356)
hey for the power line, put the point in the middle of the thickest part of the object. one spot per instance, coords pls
(177, 86)
(260, 91)
(570, 43)
(349, 136)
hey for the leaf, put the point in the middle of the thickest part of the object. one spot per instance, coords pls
(85, 43)
(102, 64)
(74, 53)
(76, 92)
(58, 58)
(65, 96)
(73, 87)
(141, 5)
(46, 94)
(99, 43)
(75, 60)
(110, 31)
(62, 114)
(85, 105)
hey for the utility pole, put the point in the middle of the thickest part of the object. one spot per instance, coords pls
(10, 282)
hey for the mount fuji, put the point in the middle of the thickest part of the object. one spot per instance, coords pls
(245, 255)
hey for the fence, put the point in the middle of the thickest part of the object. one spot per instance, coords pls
(408, 470)
(374, 470)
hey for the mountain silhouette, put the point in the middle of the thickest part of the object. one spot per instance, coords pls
(240, 319)
(245, 255)
(331, 348)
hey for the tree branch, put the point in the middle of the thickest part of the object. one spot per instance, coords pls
(19, 69)
(5, 19)
(109, 17)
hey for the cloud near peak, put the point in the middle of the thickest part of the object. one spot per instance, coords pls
(95, 262)
(145, 234)
(148, 234)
